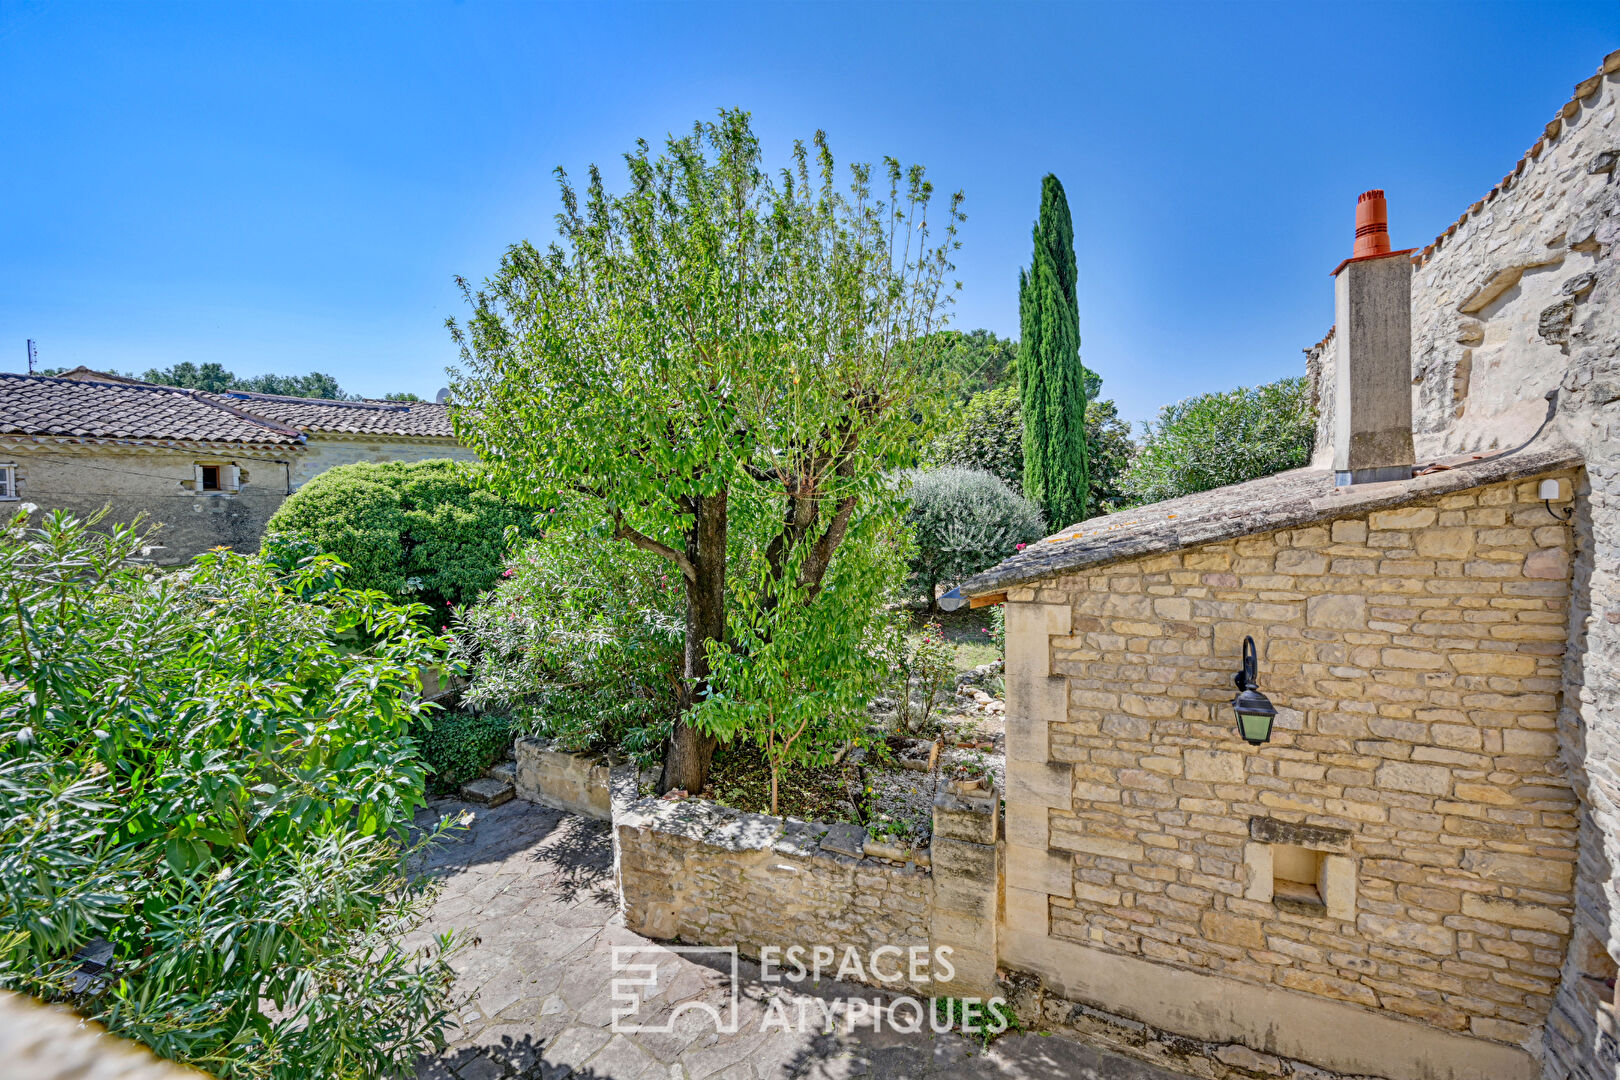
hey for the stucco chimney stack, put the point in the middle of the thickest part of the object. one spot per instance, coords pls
(1372, 294)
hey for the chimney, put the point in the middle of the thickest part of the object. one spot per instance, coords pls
(1372, 301)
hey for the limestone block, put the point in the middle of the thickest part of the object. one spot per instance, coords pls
(1258, 874)
(1043, 783)
(1514, 913)
(1436, 940)
(1337, 611)
(1040, 870)
(1337, 884)
(1027, 825)
(1216, 766)
(1423, 779)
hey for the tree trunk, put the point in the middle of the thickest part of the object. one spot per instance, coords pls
(687, 757)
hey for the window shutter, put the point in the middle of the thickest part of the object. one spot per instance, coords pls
(196, 479)
(232, 477)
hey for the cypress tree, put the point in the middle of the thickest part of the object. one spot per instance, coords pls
(1052, 382)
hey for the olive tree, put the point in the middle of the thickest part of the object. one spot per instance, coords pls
(715, 333)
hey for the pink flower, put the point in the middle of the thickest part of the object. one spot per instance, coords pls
(506, 573)
(1021, 547)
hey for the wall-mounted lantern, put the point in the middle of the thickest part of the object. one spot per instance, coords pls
(1255, 712)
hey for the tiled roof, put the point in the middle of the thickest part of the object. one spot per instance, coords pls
(41, 405)
(423, 419)
(1282, 501)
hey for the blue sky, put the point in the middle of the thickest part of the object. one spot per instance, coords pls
(291, 187)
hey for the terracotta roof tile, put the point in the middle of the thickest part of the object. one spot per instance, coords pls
(74, 408)
(422, 419)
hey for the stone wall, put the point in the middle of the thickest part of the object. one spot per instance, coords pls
(1416, 657)
(50, 1042)
(158, 483)
(325, 449)
(1518, 302)
(576, 782)
(705, 874)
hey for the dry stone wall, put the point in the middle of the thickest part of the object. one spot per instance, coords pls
(705, 874)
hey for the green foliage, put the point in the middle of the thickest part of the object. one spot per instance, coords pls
(963, 522)
(461, 745)
(987, 434)
(402, 395)
(998, 629)
(420, 530)
(718, 342)
(193, 770)
(214, 378)
(579, 641)
(923, 665)
(975, 361)
(802, 665)
(1109, 450)
(985, 1021)
(1052, 380)
(1216, 439)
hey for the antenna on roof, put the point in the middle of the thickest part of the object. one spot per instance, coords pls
(33, 356)
(442, 396)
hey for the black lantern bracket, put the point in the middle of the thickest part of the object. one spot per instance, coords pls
(1255, 712)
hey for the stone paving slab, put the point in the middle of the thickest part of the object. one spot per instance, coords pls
(533, 889)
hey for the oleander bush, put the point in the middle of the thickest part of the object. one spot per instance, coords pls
(1212, 440)
(579, 641)
(209, 774)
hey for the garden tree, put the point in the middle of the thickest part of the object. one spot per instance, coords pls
(402, 395)
(1052, 380)
(213, 378)
(1211, 440)
(976, 360)
(718, 339)
(212, 770)
(1109, 449)
(988, 434)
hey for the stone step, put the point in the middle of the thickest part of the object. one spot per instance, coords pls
(487, 790)
(503, 770)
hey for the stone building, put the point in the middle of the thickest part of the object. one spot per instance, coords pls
(1415, 876)
(210, 468)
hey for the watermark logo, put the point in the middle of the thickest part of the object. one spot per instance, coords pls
(646, 971)
(655, 986)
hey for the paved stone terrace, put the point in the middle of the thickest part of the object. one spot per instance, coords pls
(534, 888)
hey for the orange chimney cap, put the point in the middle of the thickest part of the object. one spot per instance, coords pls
(1372, 229)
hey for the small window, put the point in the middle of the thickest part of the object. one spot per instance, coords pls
(1296, 876)
(8, 482)
(210, 478)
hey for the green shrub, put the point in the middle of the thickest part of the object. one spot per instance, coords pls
(417, 530)
(461, 745)
(193, 769)
(963, 522)
(987, 435)
(1212, 440)
(580, 642)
